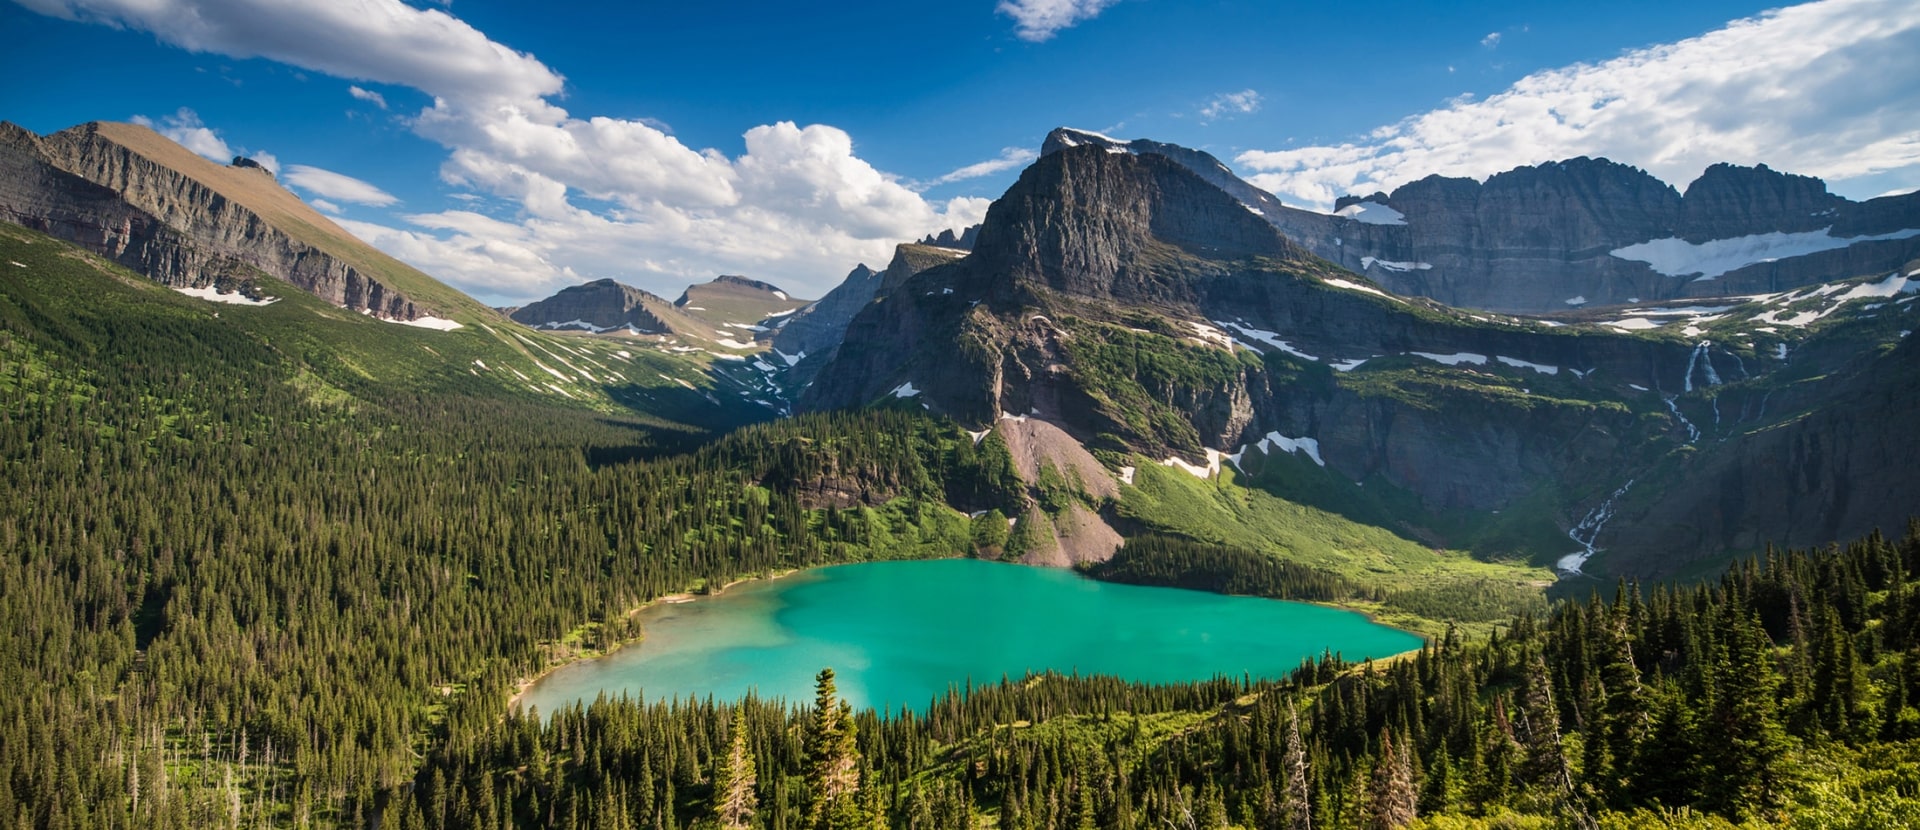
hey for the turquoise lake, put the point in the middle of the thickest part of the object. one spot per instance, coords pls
(901, 633)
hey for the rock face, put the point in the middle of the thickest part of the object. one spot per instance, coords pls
(819, 325)
(1550, 237)
(183, 221)
(1138, 308)
(605, 305)
(947, 239)
(1087, 237)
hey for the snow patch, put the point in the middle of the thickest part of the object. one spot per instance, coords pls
(1350, 285)
(791, 359)
(1209, 334)
(1274, 440)
(435, 323)
(1521, 364)
(733, 344)
(1577, 301)
(1212, 469)
(1372, 213)
(1677, 257)
(1349, 364)
(905, 390)
(1126, 475)
(1634, 324)
(235, 298)
(1780, 351)
(1454, 359)
(1271, 338)
(1390, 265)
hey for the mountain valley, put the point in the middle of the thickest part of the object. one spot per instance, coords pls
(295, 518)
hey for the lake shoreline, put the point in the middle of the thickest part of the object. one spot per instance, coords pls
(887, 610)
(526, 683)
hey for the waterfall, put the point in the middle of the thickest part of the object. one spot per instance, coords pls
(1587, 531)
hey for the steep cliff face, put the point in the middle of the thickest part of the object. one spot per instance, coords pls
(214, 223)
(238, 214)
(605, 305)
(36, 194)
(1581, 231)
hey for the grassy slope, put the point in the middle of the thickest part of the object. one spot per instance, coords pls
(343, 353)
(1423, 586)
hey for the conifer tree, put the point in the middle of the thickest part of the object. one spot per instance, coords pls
(734, 801)
(1392, 799)
(833, 760)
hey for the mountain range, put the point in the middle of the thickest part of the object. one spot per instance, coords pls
(1127, 304)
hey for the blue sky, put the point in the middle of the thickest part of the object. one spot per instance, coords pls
(512, 149)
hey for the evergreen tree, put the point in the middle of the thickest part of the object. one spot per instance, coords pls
(1392, 799)
(833, 760)
(734, 800)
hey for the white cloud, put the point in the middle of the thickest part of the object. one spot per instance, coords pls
(324, 205)
(1009, 158)
(371, 40)
(597, 196)
(368, 96)
(1230, 104)
(267, 160)
(1824, 89)
(1040, 20)
(1492, 40)
(331, 185)
(185, 129)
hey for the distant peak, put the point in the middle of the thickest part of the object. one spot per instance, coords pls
(746, 282)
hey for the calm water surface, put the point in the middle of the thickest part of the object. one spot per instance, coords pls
(900, 633)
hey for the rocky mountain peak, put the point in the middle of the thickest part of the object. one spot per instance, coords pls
(1090, 221)
(1730, 200)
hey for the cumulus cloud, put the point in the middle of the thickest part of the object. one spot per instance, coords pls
(1008, 159)
(267, 160)
(1230, 104)
(185, 129)
(1824, 89)
(595, 196)
(330, 185)
(368, 96)
(1039, 20)
(370, 40)
(1491, 40)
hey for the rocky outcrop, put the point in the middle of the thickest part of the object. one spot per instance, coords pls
(605, 305)
(947, 239)
(184, 221)
(1545, 238)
